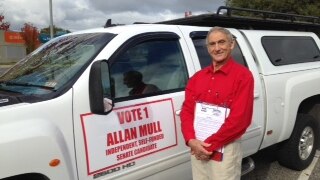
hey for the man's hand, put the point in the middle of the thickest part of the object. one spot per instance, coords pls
(198, 149)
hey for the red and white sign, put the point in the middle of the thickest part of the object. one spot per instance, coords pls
(13, 37)
(128, 133)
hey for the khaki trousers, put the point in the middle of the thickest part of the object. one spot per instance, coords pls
(227, 169)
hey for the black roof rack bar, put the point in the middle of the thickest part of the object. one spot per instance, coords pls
(267, 14)
(266, 20)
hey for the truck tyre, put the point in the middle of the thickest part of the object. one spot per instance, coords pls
(31, 176)
(298, 151)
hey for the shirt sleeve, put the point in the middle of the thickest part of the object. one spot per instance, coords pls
(239, 118)
(187, 112)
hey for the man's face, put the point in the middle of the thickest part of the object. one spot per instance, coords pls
(129, 81)
(219, 47)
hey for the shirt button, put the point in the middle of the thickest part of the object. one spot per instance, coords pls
(212, 78)
(209, 90)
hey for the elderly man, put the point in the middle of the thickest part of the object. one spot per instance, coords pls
(228, 85)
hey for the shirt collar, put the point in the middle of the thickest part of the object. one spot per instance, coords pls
(224, 69)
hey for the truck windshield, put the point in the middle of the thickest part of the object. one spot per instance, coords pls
(54, 65)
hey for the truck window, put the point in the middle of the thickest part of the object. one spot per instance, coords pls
(55, 66)
(204, 57)
(149, 68)
(285, 50)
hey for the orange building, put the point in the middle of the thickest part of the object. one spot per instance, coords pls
(12, 47)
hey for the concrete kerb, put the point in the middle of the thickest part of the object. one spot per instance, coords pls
(5, 66)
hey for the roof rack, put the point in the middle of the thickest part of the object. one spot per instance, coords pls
(270, 14)
(260, 20)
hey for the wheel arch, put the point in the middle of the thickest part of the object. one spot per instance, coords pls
(33, 176)
(311, 106)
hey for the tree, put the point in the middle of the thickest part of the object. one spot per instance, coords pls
(3, 24)
(30, 34)
(301, 7)
(55, 30)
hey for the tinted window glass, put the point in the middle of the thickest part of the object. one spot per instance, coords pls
(55, 65)
(290, 50)
(149, 68)
(204, 57)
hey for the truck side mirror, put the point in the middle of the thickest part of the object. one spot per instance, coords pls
(100, 88)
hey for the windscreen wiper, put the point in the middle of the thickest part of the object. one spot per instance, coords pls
(10, 83)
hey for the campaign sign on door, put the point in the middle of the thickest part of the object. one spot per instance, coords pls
(128, 133)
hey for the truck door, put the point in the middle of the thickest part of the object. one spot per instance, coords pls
(252, 139)
(141, 136)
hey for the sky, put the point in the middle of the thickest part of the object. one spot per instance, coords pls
(75, 15)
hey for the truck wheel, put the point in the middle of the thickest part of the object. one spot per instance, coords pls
(298, 151)
(31, 176)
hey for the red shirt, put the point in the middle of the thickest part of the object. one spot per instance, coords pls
(231, 86)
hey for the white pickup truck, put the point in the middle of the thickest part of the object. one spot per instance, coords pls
(104, 103)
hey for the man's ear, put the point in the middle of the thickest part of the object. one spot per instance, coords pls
(233, 43)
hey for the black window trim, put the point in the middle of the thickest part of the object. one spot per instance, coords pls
(198, 34)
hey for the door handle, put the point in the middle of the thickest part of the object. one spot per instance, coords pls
(178, 112)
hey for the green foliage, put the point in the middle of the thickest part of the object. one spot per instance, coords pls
(300, 7)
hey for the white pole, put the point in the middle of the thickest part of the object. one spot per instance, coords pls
(51, 19)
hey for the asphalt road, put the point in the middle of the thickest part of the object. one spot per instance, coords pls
(267, 168)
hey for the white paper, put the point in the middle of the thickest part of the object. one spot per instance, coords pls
(208, 119)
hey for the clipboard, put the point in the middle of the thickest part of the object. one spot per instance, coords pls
(208, 120)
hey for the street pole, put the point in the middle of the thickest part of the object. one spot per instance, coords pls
(51, 19)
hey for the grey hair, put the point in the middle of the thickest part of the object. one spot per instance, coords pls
(222, 30)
